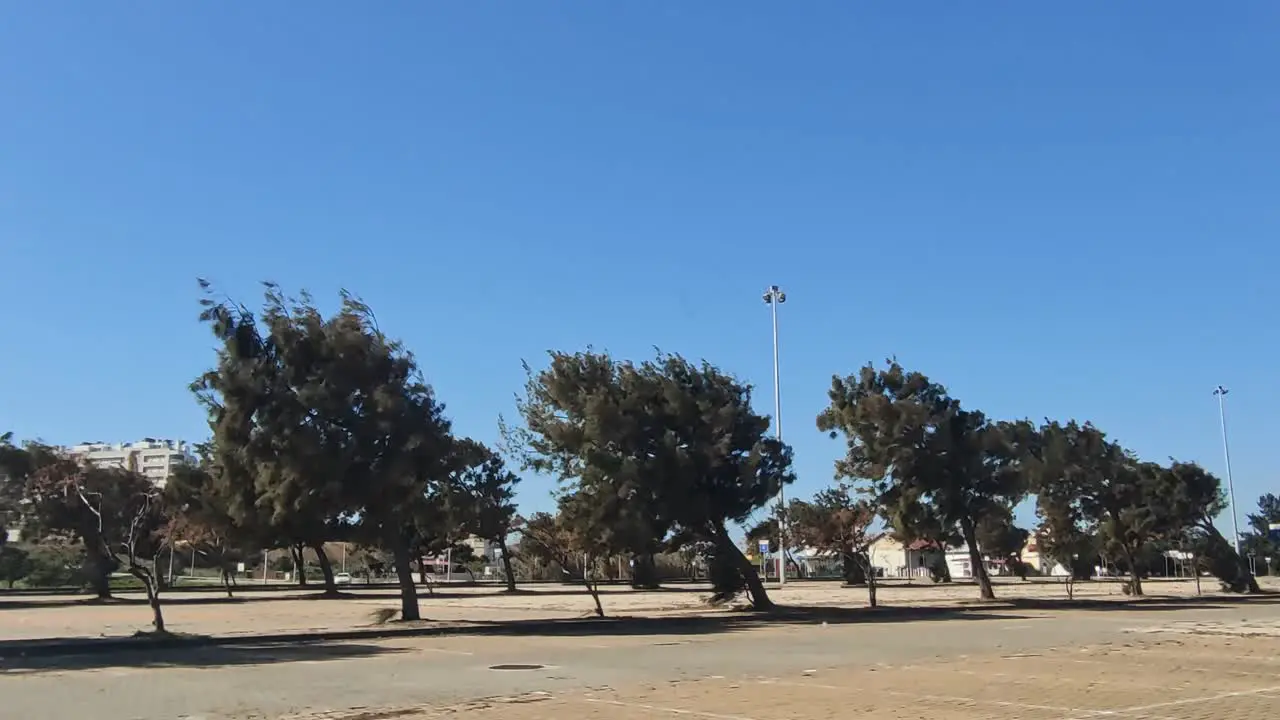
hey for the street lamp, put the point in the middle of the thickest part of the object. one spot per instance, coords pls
(1221, 392)
(773, 297)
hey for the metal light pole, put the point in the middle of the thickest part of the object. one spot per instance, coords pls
(773, 297)
(1221, 392)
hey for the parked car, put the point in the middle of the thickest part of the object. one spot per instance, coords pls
(342, 578)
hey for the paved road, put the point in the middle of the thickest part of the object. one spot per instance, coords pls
(269, 682)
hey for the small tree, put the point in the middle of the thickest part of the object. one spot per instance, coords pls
(115, 513)
(560, 540)
(836, 521)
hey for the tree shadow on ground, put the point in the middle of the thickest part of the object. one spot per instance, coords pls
(217, 597)
(206, 656)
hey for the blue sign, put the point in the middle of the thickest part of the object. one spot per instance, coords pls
(764, 546)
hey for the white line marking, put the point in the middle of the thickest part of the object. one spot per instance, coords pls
(673, 711)
(935, 698)
(1176, 703)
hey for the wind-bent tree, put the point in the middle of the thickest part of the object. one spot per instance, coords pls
(669, 446)
(114, 513)
(1257, 540)
(837, 521)
(1102, 488)
(1190, 497)
(490, 489)
(931, 462)
(318, 420)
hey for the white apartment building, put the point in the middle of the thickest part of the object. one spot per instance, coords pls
(155, 459)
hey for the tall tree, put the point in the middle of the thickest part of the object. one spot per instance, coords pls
(927, 457)
(1082, 476)
(667, 445)
(320, 419)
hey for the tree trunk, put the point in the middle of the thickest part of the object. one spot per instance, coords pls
(755, 588)
(1135, 578)
(404, 574)
(985, 591)
(863, 560)
(99, 573)
(506, 565)
(153, 595)
(644, 575)
(226, 581)
(422, 570)
(299, 564)
(326, 568)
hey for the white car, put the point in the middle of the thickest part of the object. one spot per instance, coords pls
(342, 579)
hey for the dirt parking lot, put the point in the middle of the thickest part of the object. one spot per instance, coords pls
(210, 613)
(1182, 676)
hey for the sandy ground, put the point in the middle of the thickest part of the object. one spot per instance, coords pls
(1143, 661)
(209, 613)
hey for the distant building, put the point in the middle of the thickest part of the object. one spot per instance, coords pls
(154, 459)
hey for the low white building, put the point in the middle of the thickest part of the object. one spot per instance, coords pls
(155, 459)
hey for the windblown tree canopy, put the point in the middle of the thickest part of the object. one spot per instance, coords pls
(666, 446)
(1189, 498)
(1084, 479)
(934, 465)
(319, 419)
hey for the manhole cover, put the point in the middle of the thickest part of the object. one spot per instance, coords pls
(516, 667)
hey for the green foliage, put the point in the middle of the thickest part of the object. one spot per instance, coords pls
(999, 538)
(15, 564)
(55, 564)
(1256, 540)
(318, 421)
(936, 468)
(838, 521)
(644, 451)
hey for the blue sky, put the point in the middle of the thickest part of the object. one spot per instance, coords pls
(1059, 210)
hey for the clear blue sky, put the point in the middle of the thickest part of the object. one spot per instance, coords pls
(1064, 210)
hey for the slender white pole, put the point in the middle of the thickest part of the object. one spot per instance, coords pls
(1221, 392)
(777, 431)
(264, 567)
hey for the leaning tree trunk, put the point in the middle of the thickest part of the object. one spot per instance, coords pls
(153, 594)
(733, 555)
(226, 581)
(404, 576)
(985, 591)
(326, 568)
(506, 565)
